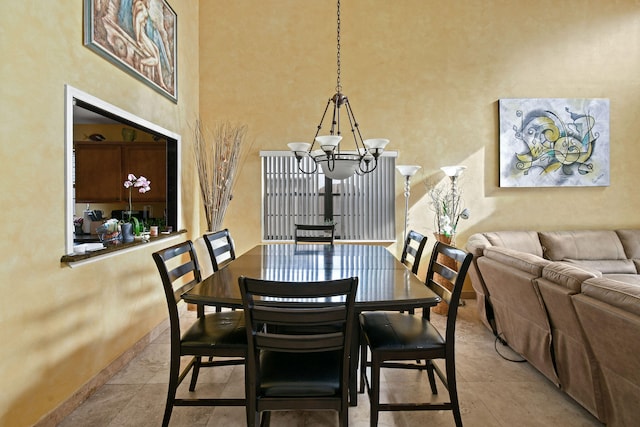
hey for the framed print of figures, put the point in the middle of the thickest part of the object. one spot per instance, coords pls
(554, 142)
(138, 36)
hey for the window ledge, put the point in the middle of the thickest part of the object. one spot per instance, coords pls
(74, 260)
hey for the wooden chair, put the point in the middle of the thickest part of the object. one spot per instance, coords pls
(221, 251)
(214, 334)
(406, 337)
(220, 247)
(315, 233)
(304, 364)
(412, 250)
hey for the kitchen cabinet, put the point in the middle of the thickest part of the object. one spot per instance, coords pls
(149, 161)
(102, 167)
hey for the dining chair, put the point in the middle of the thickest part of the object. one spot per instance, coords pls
(221, 251)
(220, 247)
(214, 334)
(314, 233)
(412, 250)
(299, 336)
(398, 337)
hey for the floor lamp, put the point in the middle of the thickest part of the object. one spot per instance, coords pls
(407, 171)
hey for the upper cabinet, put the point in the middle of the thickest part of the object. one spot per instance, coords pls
(101, 168)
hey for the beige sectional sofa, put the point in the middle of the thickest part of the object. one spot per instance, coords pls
(568, 302)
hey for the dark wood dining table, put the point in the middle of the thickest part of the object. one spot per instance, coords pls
(384, 283)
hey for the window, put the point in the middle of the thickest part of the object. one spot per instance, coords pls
(77, 104)
(363, 206)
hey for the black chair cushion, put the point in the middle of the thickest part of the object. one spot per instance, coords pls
(398, 331)
(300, 374)
(226, 329)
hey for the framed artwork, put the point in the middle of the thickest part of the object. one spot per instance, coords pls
(554, 142)
(139, 36)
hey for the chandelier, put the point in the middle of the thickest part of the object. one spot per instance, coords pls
(334, 162)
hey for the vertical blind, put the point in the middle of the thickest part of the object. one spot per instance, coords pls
(363, 205)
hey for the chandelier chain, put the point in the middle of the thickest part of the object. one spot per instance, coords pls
(338, 85)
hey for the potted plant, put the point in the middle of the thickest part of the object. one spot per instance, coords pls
(143, 185)
(445, 199)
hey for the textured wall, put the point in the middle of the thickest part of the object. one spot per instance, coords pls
(428, 75)
(62, 326)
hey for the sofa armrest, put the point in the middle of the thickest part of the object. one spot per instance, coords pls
(476, 245)
(523, 261)
(569, 276)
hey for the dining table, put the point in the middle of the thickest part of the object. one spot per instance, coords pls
(384, 283)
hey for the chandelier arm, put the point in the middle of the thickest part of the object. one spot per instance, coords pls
(367, 170)
(315, 166)
(335, 120)
(319, 126)
(355, 127)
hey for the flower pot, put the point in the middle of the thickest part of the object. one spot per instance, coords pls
(127, 232)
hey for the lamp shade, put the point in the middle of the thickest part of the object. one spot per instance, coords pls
(408, 170)
(342, 168)
(453, 171)
(326, 141)
(375, 143)
(299, 147)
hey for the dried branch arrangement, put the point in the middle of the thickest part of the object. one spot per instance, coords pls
(217, 155)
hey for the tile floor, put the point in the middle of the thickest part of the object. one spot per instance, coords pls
(492, 392)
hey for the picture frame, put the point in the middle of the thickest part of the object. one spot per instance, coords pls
(554, 142)
(139, 37)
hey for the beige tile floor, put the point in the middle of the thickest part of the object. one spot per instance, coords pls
(492, 392)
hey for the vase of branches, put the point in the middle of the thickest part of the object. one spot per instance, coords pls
(217, 155)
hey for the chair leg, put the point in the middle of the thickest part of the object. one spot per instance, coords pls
(194, 375)
(363, 364)
(174, 373)
(343, 417)
(374, 392)
(453, 392)
(266, 419)
(430, 374)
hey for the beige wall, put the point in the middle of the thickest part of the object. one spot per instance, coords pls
(428, 75)
(59, 326)
(423, 73)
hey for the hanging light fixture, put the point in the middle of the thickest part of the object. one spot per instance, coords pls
(336, 163)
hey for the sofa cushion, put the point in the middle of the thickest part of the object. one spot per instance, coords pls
(523, 241)
(630, 242)
(607, 266)
(619, 290)
(581, 245)
(567, 275)
(529, 263)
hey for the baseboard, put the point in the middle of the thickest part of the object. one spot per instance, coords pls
(56, 415)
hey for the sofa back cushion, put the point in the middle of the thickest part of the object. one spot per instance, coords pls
(619, 290)
(630, 240)
(523, 241)
(568, 275)
(601, 249)
(523, 261)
